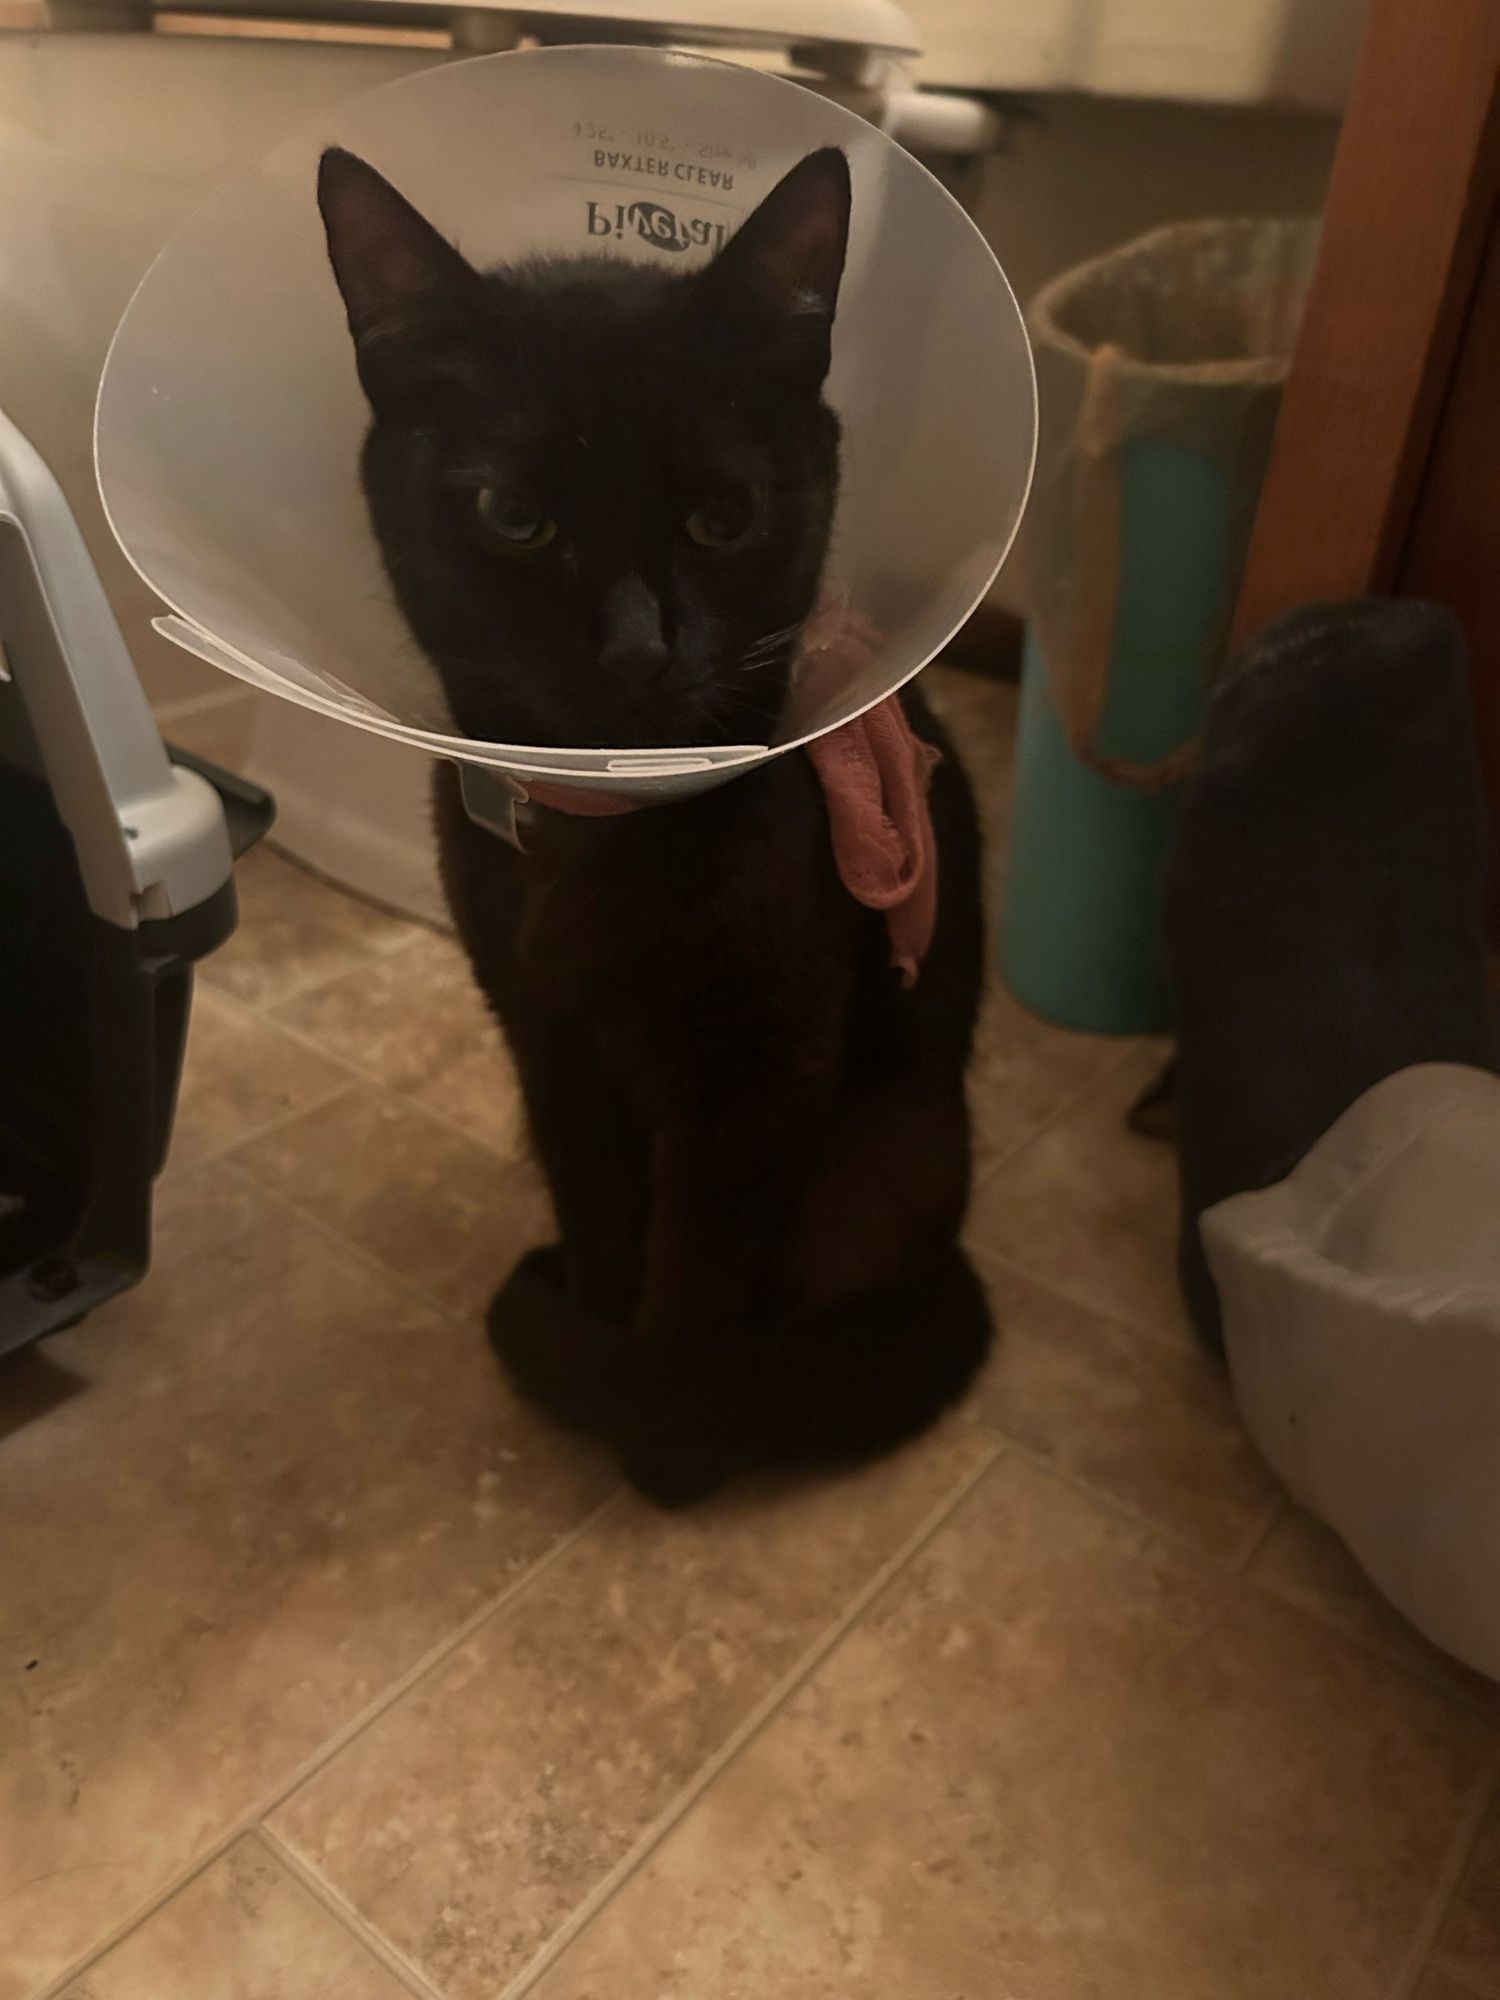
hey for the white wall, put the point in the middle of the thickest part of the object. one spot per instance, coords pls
(1291, 52)
(105, 142)
(1095, 171)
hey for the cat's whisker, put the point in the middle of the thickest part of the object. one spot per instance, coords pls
(763, 652)
(776, 637)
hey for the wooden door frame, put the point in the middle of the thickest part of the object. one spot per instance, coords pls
(1414, 188)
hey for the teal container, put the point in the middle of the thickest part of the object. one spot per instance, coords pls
(1080, 934)
(1159, 371)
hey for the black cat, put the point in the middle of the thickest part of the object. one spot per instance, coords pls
(603, 495)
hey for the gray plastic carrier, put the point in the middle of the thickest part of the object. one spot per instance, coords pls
(116, 875)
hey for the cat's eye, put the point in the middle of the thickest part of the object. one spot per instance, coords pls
(513, 522)
(723, 522)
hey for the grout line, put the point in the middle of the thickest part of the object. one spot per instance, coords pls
(998, 1161)
(363, 961)
(266, 1012)
(423, 929)
(250, 1820)
(1233, 1566)
(978, 1246)
(437, 1653)
(1189, 1349)
(266, 1016)
(609, 1886)
(1112, 1503)
(424, 926)
(222, 1149)
(358, 1074)
(1415, 1966)
(344, 1913)
(1240, 1561)
(1477, 1708)
(367, 1258)
(1171, 1342)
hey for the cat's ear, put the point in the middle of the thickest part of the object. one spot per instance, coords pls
(399, 277)
(781, 269)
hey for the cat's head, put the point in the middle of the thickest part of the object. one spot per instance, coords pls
(602, 492)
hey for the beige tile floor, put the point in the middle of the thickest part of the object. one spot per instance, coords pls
(331, 1674)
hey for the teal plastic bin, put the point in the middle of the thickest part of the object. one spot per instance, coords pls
(1159, 369)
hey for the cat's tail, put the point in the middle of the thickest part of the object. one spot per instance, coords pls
(837, 1385)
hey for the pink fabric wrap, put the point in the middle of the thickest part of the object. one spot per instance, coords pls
(876, 773)
(582, 805)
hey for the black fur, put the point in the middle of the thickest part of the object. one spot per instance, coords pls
(755, 1137)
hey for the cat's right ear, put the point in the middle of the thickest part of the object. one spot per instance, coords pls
(402, 282)
(773, 289)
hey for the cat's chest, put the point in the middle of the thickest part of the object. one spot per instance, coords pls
(733, 890)
(653, 927)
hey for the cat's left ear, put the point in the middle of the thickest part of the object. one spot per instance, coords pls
(780, 271)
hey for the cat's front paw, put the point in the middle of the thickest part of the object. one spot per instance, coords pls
(670, 1446)
(554, 1355)
(673, 1472)
(584, 1374)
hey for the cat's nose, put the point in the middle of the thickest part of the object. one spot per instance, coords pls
(633, 641)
